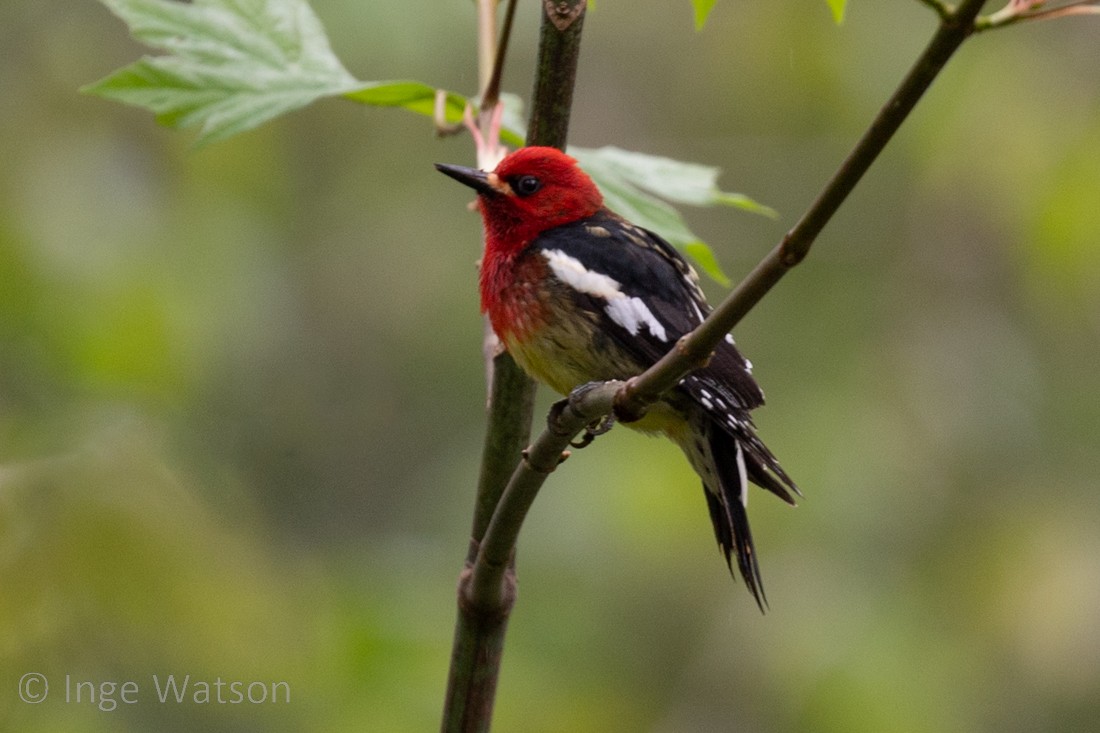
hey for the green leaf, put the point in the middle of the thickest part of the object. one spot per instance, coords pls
(634, 184)
(708, 263)
(513, 128)
(675, 180)
(231, 64)
(838, 7)
(420, 98)
(702, 11)
(235, 64)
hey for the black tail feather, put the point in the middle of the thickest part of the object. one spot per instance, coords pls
(727, 509)
(764, 469)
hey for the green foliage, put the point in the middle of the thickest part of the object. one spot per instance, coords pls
(703, 8)
(231, 64)
(634, 184)
(414, 96)
(234, 64)
(838, 7)
(238, 388)
(702, 11)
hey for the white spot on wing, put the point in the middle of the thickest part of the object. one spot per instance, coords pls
(630, 313)
(698, 313)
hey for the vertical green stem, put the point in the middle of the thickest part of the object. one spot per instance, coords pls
(480, 626)
(559, 49)
(507, 432)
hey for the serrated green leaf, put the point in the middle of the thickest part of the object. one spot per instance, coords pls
(674, 180)
(702, 12)
(838, 7)
(230, 64)
(634, 184)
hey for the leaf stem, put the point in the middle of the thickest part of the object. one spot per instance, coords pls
(490, 92)
(1016, 12)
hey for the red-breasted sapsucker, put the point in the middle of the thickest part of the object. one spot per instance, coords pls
(578, 294)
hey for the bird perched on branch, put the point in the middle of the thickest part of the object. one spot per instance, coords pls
(578, 294)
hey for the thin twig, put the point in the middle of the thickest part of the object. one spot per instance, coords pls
(486, 40)
(490, 94)
(487, 132)
(1017, 12)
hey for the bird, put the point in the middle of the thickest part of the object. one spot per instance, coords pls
(576, 294)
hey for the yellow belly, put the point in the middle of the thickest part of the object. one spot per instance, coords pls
(565, 371)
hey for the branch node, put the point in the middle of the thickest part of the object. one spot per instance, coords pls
(563, 14)
(474, 606)
(545, 468)
(789, 254)
(625, 406)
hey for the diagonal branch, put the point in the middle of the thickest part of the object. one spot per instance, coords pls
(694, 349)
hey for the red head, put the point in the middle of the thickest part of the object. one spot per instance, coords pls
(532, 190)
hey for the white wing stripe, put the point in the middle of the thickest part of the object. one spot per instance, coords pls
(630, 313)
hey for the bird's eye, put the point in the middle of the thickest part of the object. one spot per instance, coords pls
(526, 185)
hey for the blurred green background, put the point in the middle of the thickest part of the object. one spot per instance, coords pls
(241, 391)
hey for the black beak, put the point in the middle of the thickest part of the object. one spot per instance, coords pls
(472, 177)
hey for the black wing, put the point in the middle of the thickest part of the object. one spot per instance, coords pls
(646, 267)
